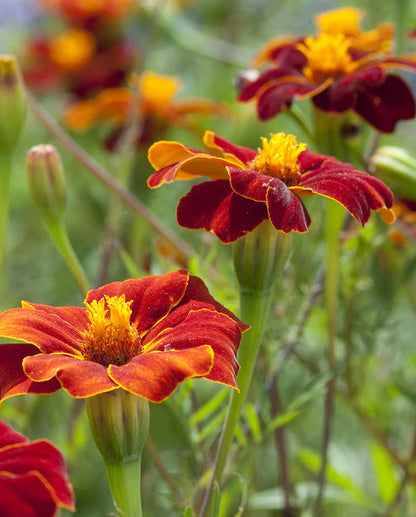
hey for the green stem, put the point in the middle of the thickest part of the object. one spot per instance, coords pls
(124, 481)
(401, 18)
(5, 175)
(257, 260)
(62, 242)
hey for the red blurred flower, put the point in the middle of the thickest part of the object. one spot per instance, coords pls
(33, 477)
(249, 187)
(156, 105)
(80, 10)
(145, 336)
(341, 68)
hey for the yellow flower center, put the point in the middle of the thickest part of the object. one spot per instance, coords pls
(110, 338)
(327, 56)
(279, 158)
(72, 49)
(340, 21)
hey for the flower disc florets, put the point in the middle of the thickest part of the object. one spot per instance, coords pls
(327, 57)
(111, 338)
(279, 158)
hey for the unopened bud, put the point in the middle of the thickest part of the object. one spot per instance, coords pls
(47, 180)
(397, 168)
(12, 103)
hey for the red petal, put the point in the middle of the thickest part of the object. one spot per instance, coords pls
(8, 436)
(213, 206)
(279, 96)
(45, 459)
(79, 378)
(286, 211)
(26, 495)
(357, 191)
(75, 316)
(156, 375)
(205, 327)
(384, 105)
(47, 331)
(270, 77)
(13, 380)
(153, 296)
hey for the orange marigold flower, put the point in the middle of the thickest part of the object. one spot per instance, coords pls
(33, 476)
(145, 336)
(340, 68)
(156, 105)
(248, 187)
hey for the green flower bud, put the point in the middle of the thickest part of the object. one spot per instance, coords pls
(12, 103)
(47, 180)
(397, 168)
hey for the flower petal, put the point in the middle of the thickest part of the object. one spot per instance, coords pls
(164, 153)
(75, 316)
(278, 96)
(213, 206)
(357, 191)
(156, 375)
(13, 380)
(202, 164)
(46, 460)
(384, 105)
(48, 332)
(9, 436)
(25, 495)
(153, 296)
(205, 327)
(286, 211)
(78, 377)
(228, 149)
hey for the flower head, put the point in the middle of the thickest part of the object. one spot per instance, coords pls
(144, 336)
(81, 10)
(157, 108)
(33, 476)
(340, 68)
(248, 187)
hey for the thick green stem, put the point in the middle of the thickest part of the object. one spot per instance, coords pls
(62, 242)
(257, 259)
(119, 423)
(5, 174)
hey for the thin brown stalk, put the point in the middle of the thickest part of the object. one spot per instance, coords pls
(183, 249)
(163, 472)
(281, 446)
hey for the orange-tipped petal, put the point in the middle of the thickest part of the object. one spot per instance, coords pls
(48, 332)
(156, 375)
(78, 377)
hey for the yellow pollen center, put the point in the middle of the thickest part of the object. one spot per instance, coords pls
(110, 338)
(327, 56)
(72, 49)
(279, 158)
(340, 21)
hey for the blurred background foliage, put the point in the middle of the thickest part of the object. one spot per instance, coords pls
(205, 43)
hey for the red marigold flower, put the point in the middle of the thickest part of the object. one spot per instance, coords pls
(33, 477)
(340, 68)
(145, 336)
(80, 10)
(157, 108)
(249, 187)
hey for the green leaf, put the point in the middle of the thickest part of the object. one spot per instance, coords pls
(387, 481)
(253, 422)
(207, 409)
(280, 420)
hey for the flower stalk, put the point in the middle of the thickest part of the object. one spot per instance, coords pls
(119, 423)
(257, 259)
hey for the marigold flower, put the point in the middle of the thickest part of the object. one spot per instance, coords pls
(248, 187)
(33, 477)
(340, 68)
(145, 336)
(79, 10)
(156, 104)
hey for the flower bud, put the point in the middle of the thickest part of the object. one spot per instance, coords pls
(397, 168)
(47, 180)
(12, 103)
